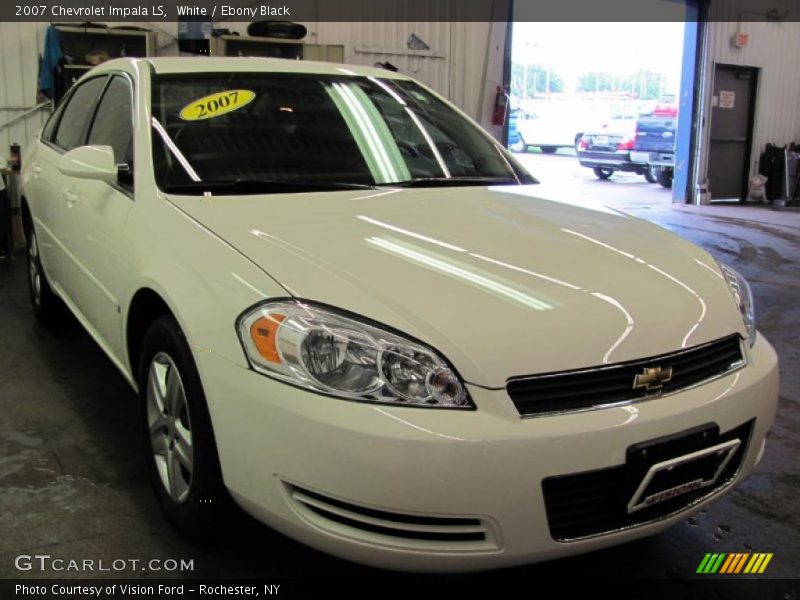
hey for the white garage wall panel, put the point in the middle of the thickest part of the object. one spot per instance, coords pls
(20, 45)
(774, 47)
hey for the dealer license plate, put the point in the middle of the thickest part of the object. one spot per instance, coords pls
(674, 477)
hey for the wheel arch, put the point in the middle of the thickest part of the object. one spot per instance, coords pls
(25, 213)
(144, 308)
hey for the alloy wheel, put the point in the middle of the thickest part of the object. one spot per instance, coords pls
(170, 427)
(34, 269)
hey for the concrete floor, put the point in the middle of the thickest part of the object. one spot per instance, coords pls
(73, 483)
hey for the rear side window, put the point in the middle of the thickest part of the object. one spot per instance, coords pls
(112, 124)
(72, 126)
(52, 122)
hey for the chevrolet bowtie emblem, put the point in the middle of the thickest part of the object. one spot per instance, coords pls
(653, 378)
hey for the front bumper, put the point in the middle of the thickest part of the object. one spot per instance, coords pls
(282, 449)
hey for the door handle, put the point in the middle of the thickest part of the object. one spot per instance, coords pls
(71, 197)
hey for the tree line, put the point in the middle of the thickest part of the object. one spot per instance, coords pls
(528, 81)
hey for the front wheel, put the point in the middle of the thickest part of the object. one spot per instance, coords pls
(46, 305)
(651, 174)
(665, 178)
(180, 448)
(603, 172)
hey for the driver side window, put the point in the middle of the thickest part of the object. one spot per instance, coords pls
(113, 124)
(71, 130)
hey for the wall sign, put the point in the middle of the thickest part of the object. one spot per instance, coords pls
(727, 99)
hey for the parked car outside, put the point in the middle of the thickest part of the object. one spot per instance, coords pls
(608, 150)
(346, 308)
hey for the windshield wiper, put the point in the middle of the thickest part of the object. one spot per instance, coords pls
(451, 182)
(263, 186)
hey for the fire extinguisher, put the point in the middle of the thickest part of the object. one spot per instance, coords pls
(500, 107)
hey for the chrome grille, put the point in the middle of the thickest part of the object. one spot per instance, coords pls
(608, 385)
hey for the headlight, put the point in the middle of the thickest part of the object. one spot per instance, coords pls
(743, 298)
(337, 355)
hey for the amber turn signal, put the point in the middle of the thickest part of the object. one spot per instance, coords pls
(263, 332)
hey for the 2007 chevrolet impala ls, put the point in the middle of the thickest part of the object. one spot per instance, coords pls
(345, 305)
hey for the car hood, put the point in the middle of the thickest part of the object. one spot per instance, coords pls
(501, 280)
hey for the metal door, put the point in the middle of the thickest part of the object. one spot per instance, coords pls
(732, 111)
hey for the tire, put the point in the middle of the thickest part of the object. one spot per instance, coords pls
(665, 178)
(651, 174)
(277, 29)
(548, 149)
(603, 172)
(180, 449)
(47, 307)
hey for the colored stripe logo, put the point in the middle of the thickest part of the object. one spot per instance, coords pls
(734, 563)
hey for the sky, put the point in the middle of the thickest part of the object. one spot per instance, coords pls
(621, 48)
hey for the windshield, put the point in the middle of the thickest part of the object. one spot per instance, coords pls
(299, 132)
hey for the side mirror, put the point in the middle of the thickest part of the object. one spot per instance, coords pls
(90, 162)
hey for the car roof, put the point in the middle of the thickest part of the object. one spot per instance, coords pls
(216, 64)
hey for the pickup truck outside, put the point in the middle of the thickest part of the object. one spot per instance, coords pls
(655, 145)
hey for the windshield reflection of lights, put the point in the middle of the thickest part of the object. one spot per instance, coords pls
(418, 236)
(429, 139)
(388, 90)
(420, 257)
(418, 428)
(371, 136)
(175, 150)
(703, 308)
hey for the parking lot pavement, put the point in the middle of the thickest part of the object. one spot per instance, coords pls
(563, 172)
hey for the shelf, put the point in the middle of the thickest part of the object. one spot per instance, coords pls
(100, 31)
(261, 40)
(78, 43)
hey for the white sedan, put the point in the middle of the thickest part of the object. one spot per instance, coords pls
(347, 308)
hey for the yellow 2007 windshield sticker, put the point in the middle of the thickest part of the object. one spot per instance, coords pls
(217, 104)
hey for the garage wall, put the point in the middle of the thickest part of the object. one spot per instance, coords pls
(461, 53)
(20, 45)
(774, 47)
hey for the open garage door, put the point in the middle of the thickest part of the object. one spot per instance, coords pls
(605, 109)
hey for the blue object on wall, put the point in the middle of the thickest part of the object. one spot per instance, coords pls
(51, 58)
